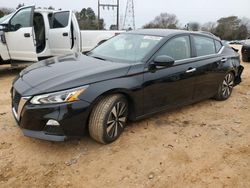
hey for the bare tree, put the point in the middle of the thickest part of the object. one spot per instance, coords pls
(1, 14)
(20, 5)
(209, 27)
(164, 20)
(6, 10)
(246, 21)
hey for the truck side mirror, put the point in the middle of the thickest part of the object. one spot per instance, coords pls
(4, 27)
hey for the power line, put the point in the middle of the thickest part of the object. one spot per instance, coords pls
(108, 6)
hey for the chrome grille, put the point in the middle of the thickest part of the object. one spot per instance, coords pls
(18, 103)
(16, 97)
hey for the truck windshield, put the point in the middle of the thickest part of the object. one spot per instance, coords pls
(126, 48)
(5, 18)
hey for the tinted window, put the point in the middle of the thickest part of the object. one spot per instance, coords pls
(218, 46)
(204, 46)
(178, 48)
(21, 19)
(60, 20)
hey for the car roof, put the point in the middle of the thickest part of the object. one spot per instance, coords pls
(167, 32)
(157, 32)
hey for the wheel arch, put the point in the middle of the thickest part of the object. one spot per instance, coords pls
(125, 93)
(231, 71)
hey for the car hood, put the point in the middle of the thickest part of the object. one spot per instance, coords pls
(67, 72)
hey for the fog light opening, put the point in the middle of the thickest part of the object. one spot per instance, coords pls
(52, 122)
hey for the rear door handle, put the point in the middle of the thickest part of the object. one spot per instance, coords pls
(190, 70)
(65, 34)
(223, 60)
(27, 35)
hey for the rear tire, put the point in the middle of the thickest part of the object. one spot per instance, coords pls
(108, 118)
(226, 87)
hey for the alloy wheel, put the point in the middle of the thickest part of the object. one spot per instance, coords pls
(117, 119)
(227, 85)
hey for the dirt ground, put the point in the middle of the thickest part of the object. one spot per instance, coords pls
(202, 145)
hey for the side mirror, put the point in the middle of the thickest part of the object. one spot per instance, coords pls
(164, 61)
(4, 27)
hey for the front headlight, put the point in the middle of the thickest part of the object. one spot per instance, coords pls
(59, 97)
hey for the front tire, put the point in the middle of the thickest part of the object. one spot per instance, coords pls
(108, 118)
(226, 87)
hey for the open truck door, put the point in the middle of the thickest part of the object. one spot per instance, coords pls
(60, 33)
(19, 35)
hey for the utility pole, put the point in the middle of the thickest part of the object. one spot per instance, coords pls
(129, 20)
(117, 6)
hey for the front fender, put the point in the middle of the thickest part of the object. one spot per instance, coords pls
(131, 88)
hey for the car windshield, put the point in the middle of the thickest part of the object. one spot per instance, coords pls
(3, 19)
(126, 48)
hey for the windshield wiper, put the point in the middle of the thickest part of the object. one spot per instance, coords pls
(99, 58)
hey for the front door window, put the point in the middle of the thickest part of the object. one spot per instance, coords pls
(23, 18)
(178, 48)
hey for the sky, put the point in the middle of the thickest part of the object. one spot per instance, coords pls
(201, 11)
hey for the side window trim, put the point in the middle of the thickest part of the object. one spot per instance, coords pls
(195, 57)
(31, 16)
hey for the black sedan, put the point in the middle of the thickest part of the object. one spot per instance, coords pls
(245, 51)
(129, 77)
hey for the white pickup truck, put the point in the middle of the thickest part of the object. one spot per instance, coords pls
(29, 34)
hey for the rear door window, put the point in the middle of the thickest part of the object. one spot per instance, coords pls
(204, 45)
(59, 20)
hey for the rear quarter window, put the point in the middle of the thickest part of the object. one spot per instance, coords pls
(218, 46)
(204, 45)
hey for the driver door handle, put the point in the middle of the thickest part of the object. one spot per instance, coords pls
(27, 35)
(190, 70)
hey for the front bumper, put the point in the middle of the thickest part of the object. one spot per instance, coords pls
(72, 119)
(43, 136)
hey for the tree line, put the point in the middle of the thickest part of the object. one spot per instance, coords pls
(227, 28)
